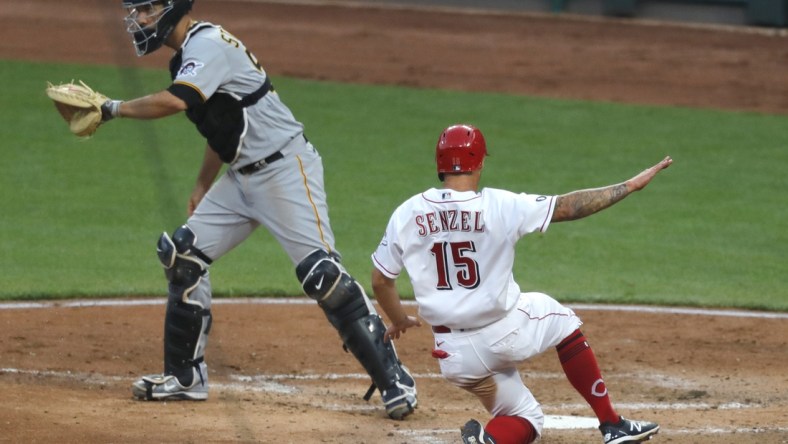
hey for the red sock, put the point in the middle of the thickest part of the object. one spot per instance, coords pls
(582, 370)
(511, 430)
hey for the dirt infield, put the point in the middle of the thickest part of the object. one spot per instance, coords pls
(278, 372)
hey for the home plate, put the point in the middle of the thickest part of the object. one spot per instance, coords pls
(564, 422)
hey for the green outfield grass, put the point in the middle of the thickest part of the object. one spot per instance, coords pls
(81, 217)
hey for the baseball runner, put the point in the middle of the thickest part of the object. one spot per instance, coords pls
(274, 178)
(457, 244)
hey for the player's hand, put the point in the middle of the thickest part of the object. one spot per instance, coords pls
(197, 194)
(396, 329)
(640, 181)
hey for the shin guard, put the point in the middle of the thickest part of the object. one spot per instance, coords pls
(345, 304)
(186, 328)
(186, 322)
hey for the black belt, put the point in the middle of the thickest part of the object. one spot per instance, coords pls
(445, 329)
(260, 164)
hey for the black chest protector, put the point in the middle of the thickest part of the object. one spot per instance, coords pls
(220, 119)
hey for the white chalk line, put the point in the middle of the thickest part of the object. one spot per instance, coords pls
(552, 421)
(276, 384)
(654, 378)
(306, 301)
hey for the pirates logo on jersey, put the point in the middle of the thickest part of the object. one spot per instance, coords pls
(190, 68)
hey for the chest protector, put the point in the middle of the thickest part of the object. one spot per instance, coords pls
(221, 119)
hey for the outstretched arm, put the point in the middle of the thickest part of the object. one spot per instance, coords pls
(388, 298)
(582, 203)
(154, 106)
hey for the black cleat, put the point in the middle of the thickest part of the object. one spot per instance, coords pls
(626, 431)
(473, 433)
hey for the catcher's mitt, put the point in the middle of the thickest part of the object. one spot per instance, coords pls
(80, 106)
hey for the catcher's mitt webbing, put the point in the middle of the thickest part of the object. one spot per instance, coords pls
(79, 105)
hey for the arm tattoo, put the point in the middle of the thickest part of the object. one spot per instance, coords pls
(582, 203)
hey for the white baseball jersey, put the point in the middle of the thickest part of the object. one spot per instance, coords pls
(458, 249)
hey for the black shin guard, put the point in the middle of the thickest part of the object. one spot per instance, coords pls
(345, 305)
(186, 327)
(186, 322)
(364, 338)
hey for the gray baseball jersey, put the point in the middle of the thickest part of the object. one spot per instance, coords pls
(213, 60)
(287, 194)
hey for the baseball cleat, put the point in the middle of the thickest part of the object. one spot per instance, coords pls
(400, 399)
(167, 387)
(473, 433)
(626, 431)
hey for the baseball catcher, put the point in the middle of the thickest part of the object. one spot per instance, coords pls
(273, 178)
(82, 108)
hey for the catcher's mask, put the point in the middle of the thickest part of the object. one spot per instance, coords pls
(152, 21)
(460, 149)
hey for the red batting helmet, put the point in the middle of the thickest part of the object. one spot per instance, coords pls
(461, 148)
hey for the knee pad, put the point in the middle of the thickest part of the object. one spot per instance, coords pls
(324, 279)
(319, 273)
(184, 264)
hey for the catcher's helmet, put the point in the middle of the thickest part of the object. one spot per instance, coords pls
(149, 37)
(460, 149)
